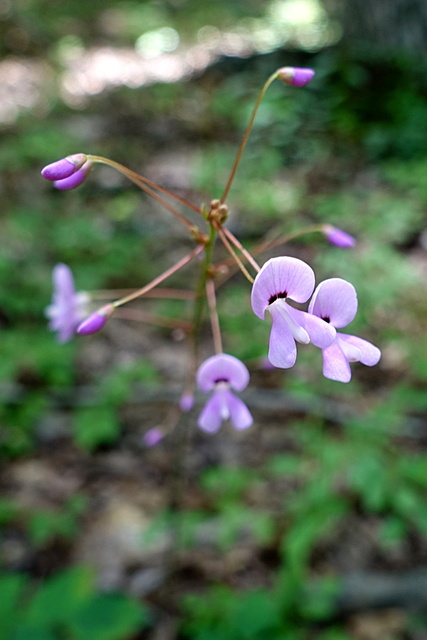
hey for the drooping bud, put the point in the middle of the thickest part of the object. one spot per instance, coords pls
(186, 401)
(75, 179)
(338, 237)
(96, 321)
(152, 437)
(295, 76)
(64, 168)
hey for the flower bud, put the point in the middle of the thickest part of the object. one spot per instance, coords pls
(338, 237)
(96, 321)
(186, 401)
(295, 76)
(75, 179)
(64, 168)
(152, 437)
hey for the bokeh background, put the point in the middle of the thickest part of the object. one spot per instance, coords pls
(312, 524)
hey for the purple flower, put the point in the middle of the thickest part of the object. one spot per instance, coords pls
(281, 279)
(335, 301)
(64, 168)
(68, 308)
(75, 179)
(186, 401)
(96, 321)
(338, 237)
(219, 374)
(296, 76)
(152, 437)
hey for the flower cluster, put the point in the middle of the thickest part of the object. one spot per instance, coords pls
(333, 306)
(279, 285)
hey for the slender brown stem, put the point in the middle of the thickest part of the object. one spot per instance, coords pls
(270, 244)
(241, 248)
(172, 294)
(235, 256)
(140, 292)
(132, 175)
(151, 318)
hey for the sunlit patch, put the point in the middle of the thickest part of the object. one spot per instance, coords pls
(23, 85)
(153, 43)
(159, 55)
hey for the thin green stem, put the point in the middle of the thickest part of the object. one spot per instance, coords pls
(213, 312)
(246, 136)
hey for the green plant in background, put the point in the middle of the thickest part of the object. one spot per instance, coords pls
(331, 474)
(66, 605)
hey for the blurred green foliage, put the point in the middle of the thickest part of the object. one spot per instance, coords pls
(348, 150)
(66, 605)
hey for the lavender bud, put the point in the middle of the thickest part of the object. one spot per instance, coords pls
(96, 321)
(295, 76)
(75, 179)
(186, 402)
(152, 437)
(338, 237)
(64, 168)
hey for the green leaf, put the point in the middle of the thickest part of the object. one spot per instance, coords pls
(96, 425)
(60, 597)
(11, 589)
(109, 617)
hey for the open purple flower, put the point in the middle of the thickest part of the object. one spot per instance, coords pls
(68, 307)
(281, 279)
(335, 301)
(220, 374)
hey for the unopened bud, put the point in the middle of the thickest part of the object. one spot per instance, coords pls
(295, 76)
(186, 401)
(338, 237)
(64, 168)
(96, 321)
(152, 437)
(75, 179)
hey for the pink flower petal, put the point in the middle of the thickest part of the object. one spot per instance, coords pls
(321, 333)
(75, 179)
(335, 364)
(240, 415)
(222, 368)
(58, 170)
(282, 351)
(369, 354)
(212, 414)
(335, 300)
(63, 280)
(282, 277)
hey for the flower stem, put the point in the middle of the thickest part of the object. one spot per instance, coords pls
(132, 174)
(241, 248)
(216, 331)
(235, 256)
(176, 267)
(270, 244)
(246, 135)
(172, 294)
(151, 318)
